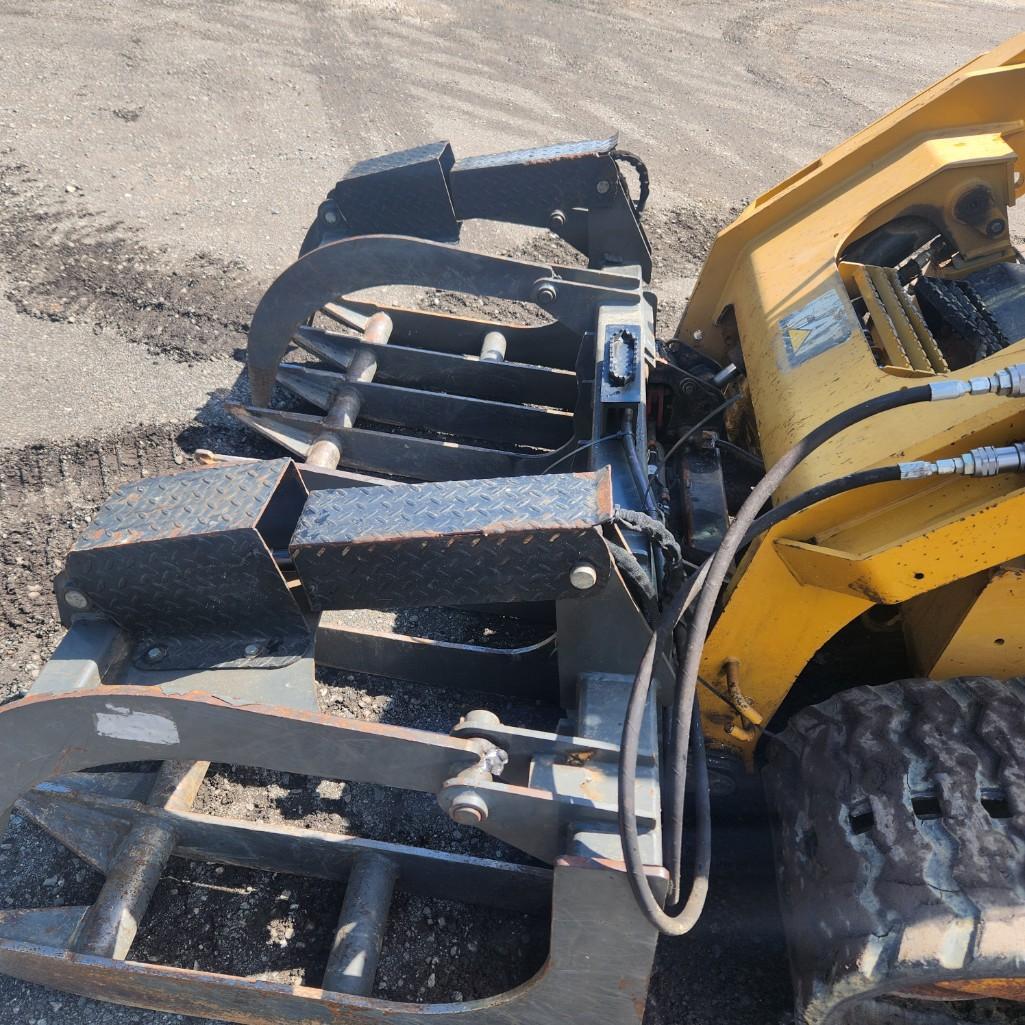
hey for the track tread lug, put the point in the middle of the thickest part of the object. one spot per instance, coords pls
(893, 873)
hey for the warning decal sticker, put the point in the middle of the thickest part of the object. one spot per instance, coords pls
(826, 321)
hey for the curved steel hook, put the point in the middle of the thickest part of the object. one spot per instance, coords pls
(370, 261)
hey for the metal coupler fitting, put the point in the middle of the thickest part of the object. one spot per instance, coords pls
(986, 461)
(1009, 381)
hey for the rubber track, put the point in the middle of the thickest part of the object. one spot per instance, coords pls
(880, 893)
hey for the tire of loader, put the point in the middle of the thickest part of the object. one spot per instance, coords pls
(900, 844)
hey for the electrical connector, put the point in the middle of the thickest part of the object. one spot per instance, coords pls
(986, 461)
(1010, 382)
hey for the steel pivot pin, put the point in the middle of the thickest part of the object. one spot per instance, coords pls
(583, 576)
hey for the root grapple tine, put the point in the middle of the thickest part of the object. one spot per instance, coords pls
(345, 315)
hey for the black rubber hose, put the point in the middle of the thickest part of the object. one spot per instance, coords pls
(819, 493)
(643, 179)
(629, 745)
(628, 564)
(636, 469)
(652, 528)
(691, 908)
(708, 581)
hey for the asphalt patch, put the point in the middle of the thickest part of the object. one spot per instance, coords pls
(62, 262)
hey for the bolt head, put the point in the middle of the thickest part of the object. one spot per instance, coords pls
(546, 295)
(252, 649)
(557, 220)
(583, 576)
(156, 653)
(603, 186)
(330, 216)
(76, 599)
(996, 227)
(469, 809)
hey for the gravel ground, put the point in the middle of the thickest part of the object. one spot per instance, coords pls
(159, 163)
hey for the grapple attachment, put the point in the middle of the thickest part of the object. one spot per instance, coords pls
(450, 462)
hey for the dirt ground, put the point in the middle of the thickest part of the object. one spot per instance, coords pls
(159, 165)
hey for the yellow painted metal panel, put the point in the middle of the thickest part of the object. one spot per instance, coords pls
(974, 627)
(775, 269)
(791, 595)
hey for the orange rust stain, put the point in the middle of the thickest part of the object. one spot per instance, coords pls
(998, 989)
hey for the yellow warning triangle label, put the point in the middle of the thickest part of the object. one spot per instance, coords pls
(798, 336)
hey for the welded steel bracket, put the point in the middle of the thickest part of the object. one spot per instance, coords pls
(574, 189)
(184, 565)
(454, 543)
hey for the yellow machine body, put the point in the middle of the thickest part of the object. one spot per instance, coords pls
(777, 294)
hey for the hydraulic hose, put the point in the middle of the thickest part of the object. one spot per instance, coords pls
(877, 475)
(689, 910)
(707, 582)
(986, 461)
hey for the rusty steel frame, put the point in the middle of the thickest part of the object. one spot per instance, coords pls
(551, 795)
(585, 976)
(74, 719)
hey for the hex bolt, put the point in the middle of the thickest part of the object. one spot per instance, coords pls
(156, 653)
(603, 186)
(252, 649)
(996, 227)
(546, 294)
(330, 216)
(583, 576)
(468, 809)
(556, 220)
(76, 599)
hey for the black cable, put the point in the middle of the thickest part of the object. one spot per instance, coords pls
(643, 180)
(742, 453)
(694, 428)
(633, 459)
(656, 530)
(583, 447)
(708, 582)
